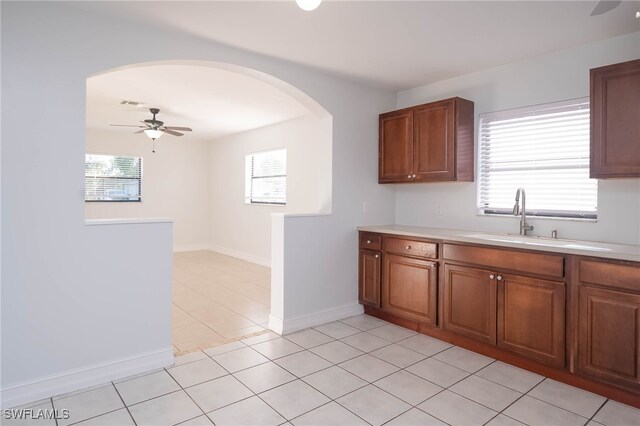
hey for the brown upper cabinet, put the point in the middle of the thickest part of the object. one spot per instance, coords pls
(427, 143)
(615, 120)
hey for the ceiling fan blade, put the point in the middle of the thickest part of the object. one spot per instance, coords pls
(171, 132)
(139, 131)
(605, 6)
(124, 125)
(184, 129)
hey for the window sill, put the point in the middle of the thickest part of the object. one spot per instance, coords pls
(559, 219)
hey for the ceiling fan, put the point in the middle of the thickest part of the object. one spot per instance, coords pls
(604, 6)
(154, 128)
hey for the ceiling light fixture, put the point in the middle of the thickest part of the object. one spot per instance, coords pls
(308, 5)
(153, 134)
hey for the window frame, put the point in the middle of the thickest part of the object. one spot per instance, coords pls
(572, 215)
(249, 178)
(139, 179)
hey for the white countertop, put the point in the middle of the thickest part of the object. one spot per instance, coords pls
(582, 248)
(127, 221)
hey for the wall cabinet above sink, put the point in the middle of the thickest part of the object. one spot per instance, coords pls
(615, 120)
(427, 143)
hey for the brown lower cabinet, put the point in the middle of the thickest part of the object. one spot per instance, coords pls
(531, 318)
(609, 331)
(572, 318)
(409, 288)
(469, 306)
(369, 277)
(609, 322)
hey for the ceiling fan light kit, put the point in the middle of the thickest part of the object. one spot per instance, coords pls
(154, 128)
(153, 134)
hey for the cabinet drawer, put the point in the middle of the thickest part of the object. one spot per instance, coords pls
(370, 241)
(528, 262)
(410, 247)
(625, 276)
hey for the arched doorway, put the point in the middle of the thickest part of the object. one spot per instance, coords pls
(222, 276)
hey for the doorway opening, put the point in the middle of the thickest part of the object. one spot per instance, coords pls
(218, 200)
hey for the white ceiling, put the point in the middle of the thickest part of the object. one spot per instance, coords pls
(212, 101)
(390, 44)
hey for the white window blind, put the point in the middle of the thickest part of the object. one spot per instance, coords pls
(266, 177)
(112, 178)
(544, 149)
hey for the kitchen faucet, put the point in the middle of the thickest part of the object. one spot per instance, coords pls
(524, 226)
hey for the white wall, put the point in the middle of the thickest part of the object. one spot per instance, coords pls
(53, 320)
(555, 77)
(244, 230)
(175, 183)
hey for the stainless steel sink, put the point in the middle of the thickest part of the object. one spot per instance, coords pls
(538, 241)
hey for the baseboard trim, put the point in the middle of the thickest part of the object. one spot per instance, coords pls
(276, 324)
(263, 261)
(72, 380)
(191, 247)
(318, 318)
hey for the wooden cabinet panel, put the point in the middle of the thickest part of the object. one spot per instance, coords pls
(396, 146)
(615, 122)
(370, 241)
(608, 336)
(427, 143)
(410, 247)
(469, 302)
(409, 288)
(622, 275)
(369, 277)
(531, 318)
(434, 149)
(551, 265)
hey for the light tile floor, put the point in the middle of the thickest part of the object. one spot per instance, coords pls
(358, 371)
(217, 299)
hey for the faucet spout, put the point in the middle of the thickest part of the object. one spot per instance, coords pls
(524, 226)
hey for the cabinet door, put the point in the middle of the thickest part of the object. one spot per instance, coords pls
(396, 146)
(615, 122)
(470, 302)
(409, 288)
(531, 318)
(608, 336)
(369, 277)
(434, 149)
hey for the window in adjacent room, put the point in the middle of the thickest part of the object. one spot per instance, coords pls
(266, 177)
(111, 178)
(544, 149)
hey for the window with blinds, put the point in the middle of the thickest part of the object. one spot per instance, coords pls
(543, 149)
(266, 177)
(112, 178)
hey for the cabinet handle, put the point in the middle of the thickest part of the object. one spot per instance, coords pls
(414, 176)
(491, 276)
(408, 176)
(377, 255)
(499, 277)
(407, 247)
(368, 241)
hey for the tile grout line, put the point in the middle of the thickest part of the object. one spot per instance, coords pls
(189, 396)
(598, 410)
(125, 405)
(557, 406)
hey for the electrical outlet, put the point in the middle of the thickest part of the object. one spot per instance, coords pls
(365, 207)
(438, 209)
